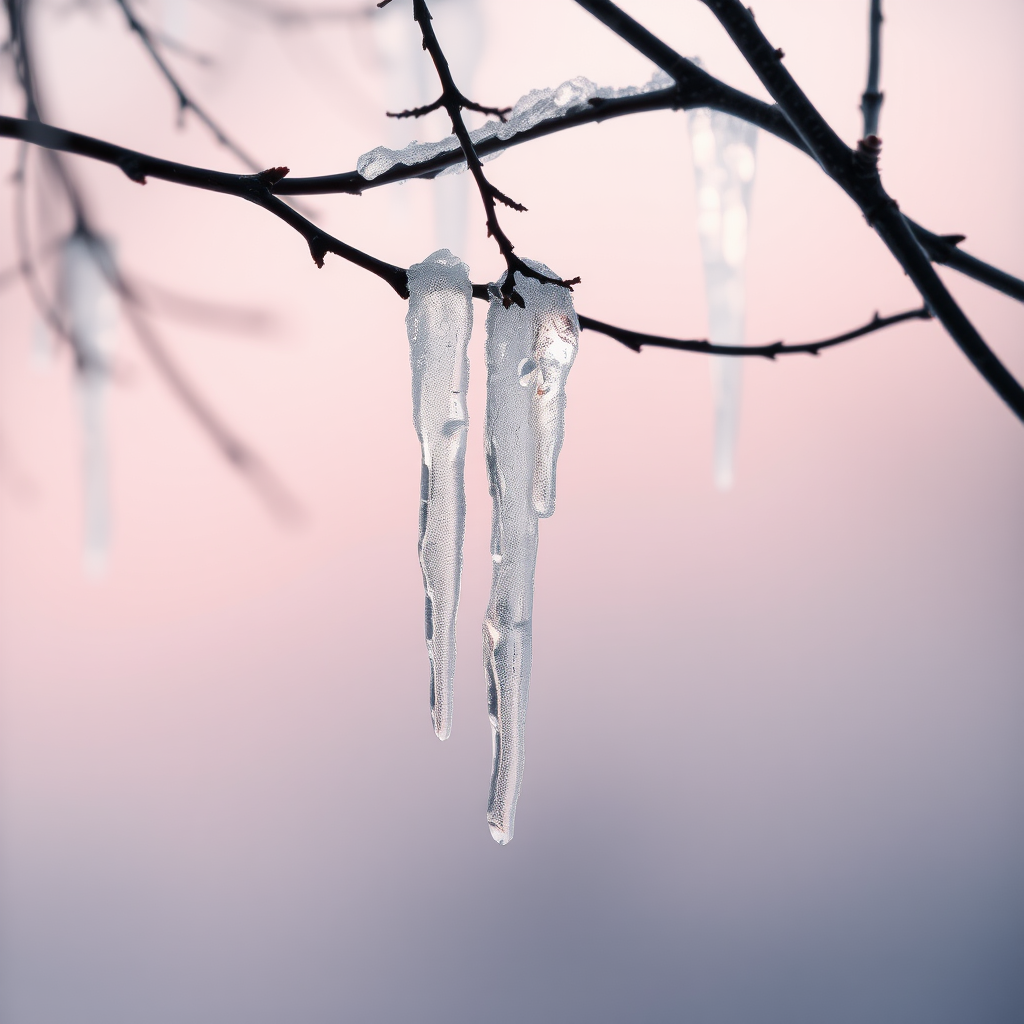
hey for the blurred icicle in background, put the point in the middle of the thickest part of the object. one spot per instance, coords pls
(91, 308)
(410, 81)
(724, 164)
(173, 20)
(462, 33)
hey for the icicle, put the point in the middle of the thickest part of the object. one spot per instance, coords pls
(439, 322)
(91, 311)
(723, 157)
(529, 354)
(174, 20)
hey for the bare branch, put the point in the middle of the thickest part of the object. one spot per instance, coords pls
(185, 102)
(453, 102)
(871, 100)
(256, 188)
(417, 111)
(237, 453)
(857, 174)
(635, 340)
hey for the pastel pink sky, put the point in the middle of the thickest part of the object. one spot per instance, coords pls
(776, 736)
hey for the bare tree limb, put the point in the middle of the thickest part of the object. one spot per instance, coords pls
(237, 453)
(635, 340)
(453, 101)
(185, 102)
(871, 100)
(256, 188)
(855, 172)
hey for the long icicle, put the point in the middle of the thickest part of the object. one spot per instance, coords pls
(529, 354)
(439, 323)
(724, 164)
(90, 304)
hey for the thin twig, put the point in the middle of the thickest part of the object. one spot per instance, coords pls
(185, 102)
(256, 188)
(856, 172)
(871, 100)
(453, 102)
(498, 112)
(635, 340)
(237, 453)
(84, 360)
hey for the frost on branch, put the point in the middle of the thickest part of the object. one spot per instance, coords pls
(91, 309)
(723, 158)
(439, 323)
(533, 108)
(529, 354)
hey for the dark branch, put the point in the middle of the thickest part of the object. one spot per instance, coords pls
(453, 102)
(635, 340)
(185, 102)
(85, 361)
(498, 112)
(353, 183)
(701, 90)
(417, 111)
(256, 188)
(857, 174)
(945, 249)
(871, 100)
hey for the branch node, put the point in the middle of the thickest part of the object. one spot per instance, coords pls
(869, 148)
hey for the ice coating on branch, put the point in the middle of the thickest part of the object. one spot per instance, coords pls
(91, 309)
(439, 323)
(533, 108)
(724, 163)
(529, 354)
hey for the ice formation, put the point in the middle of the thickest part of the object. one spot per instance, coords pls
(92, 317)
(439, 323)
(723, 158)
(529, 354)
(533, 108)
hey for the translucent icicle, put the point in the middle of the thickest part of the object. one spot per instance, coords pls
(723, 158)
(439, 323)
(529, 354)
(92, 318)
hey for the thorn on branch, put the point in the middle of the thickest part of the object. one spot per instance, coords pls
(953, 239)
(780, 53)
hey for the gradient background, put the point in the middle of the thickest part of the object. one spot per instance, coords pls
(776, 737)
